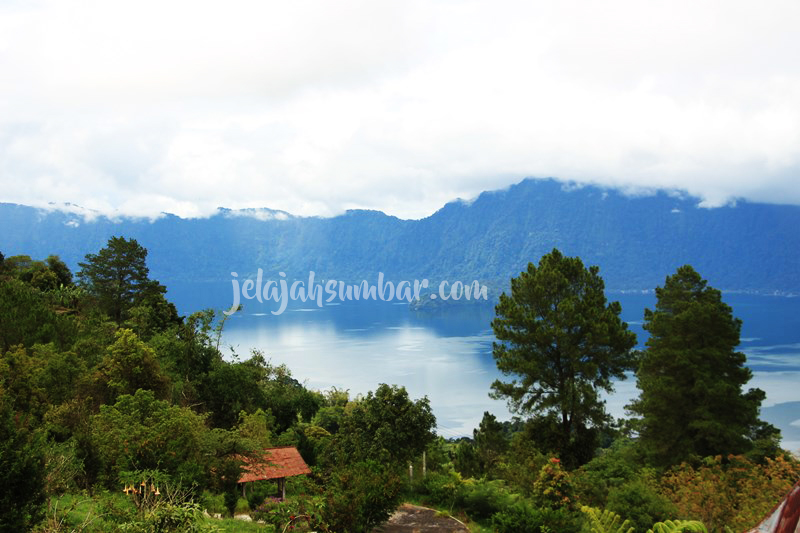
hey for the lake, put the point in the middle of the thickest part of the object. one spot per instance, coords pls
(446, 354)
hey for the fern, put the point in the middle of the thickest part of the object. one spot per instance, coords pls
(678, 526)
(606, 521)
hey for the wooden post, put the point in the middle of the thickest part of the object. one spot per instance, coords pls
(282, 487)
(424, 465)
(410, 472)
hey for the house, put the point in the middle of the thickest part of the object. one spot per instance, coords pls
(274, 463)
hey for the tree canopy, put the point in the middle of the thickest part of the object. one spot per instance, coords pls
(691, 376)
(563, 343)
(117, 276)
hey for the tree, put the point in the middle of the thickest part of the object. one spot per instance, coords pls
(490, 443)
(564, 342)
(129, 365)
(140, 432)
(117, 277)
(22, 472)
(386, 426)
(691, 376)
(60, 269)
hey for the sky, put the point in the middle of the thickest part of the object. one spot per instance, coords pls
(315, 107)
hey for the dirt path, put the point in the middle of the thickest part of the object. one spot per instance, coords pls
(414, 519)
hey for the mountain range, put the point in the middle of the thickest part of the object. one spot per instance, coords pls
(635, 240)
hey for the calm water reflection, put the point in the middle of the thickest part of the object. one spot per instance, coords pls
(446, 355)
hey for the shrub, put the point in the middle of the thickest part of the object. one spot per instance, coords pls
(231, 499)
(182, 518)
(553, 487)
(641, 503)
(614, 467)
(22, 474)
(361, 495)
(440, 488)
(293, 512)
(257, 494)
(213, 503)
(729, 491)
(522, 516)
(480, 500)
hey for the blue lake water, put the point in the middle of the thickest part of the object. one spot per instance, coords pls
(446, 354)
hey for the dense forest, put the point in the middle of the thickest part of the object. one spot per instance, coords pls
(106, 391)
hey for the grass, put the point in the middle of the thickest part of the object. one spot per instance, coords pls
(81, 513)
(73, 512)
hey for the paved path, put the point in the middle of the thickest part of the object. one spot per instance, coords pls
(414, 519)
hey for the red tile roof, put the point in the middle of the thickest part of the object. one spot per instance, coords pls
(284, 461)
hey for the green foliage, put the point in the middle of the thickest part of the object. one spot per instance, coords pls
(606, 521)
(691, 378)
(292, 514)
(613, 467)
(255, 429)
(490, 444)
(214, 503)
(22, 472)
(329, 418)
(522, 463)
(140, 432)
(386, 426)
(60, 269)
(641, 502)
(230, 388)
(129, 365)
(678, 526)
(63, 467)
(185, 517)
(482, 499)
(28, 317)
(553, 488)
(441, 489)
(231, 499)
(729, 491)
(522, 516)
(563, 343)
(59, 372)
(361, 495)
(117, 277)
(18, 372)
(465, 459)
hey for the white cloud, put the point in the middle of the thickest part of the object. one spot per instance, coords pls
(317, 107)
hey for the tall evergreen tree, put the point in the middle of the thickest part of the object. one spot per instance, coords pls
(118, 277)
(691, 376)
(565, 343)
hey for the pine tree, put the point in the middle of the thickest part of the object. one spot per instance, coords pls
(691, 376)
(117, 276)
(565, 343)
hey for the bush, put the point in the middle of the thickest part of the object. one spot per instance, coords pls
(729, 491)
(553, 487)
(440, 488)
(22, 474)
(183, 518)
(213, 503)
(361, 495)
(480, 500)
(640, 503)
(300, 512)
(522, 516)
(231, 499)
(257, 493)
(614, 467)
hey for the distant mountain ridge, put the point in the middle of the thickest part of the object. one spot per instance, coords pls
(636, 241)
